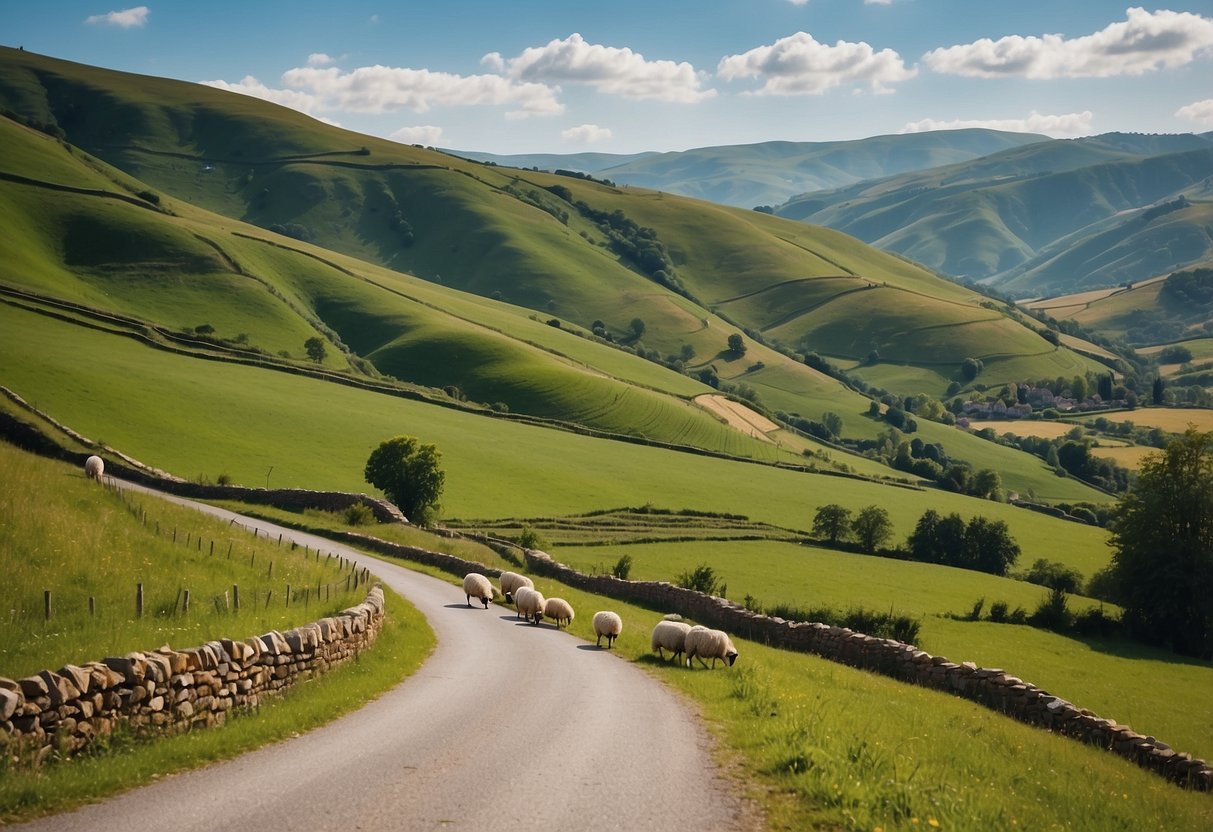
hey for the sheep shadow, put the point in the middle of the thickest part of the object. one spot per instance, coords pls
(593, 648)
(462, 607)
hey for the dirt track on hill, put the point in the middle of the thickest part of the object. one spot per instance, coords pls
(504, 725)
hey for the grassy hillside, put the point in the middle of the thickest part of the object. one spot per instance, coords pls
(1175, 307)
(498, 230)
(1007, 217)
(64, 533)
(549, 243)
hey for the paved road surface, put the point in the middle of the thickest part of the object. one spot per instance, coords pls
(505, 726)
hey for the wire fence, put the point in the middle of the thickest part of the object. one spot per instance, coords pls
(260, 594)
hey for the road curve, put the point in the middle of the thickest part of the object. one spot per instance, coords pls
(505, 723)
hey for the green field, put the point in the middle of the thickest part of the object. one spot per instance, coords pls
(203, 418)
(1109, 677)
(827, 746)
(66, 534)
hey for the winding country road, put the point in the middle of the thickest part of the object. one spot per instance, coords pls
(504, 724)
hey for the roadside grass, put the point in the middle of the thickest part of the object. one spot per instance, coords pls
(405, 641)
(204, 418)
(821, 745)
(1155, 691)
(64, 533)
(62, 530)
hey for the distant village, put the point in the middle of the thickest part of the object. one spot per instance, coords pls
(1036, 399)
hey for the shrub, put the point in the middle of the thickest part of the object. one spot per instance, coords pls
(998, 611)
(358, 514)
(703, 579)
(530, 539)
(622, 568)
(1053, 613)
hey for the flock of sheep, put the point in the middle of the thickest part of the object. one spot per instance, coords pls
(684, 641)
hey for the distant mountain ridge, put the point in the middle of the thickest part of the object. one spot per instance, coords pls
(1041, 219)
(769, 173)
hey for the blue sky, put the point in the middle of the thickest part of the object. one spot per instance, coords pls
(629, 76)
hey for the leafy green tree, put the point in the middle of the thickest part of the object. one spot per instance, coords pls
(408, 473)
(1156, 390)
(970, 368)
(737, 345)
(1162, 539)
(637, 327)
(872, 528)
(988, 546)
(832, 522)
(315, 349)
(1054, 575)
(833, 422)
(987, 483)
(1105, 387)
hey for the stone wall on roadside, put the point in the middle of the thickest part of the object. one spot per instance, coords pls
(169, 691)
(992, 687)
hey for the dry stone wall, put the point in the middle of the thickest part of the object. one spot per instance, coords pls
(992, 687)
(169, 691)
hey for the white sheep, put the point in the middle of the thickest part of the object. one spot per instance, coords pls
(530, 603)
(476, 585)
(670, 635)
(94, 467)
(607, 624)
(510, 581)
(714, 644)
(558, 610)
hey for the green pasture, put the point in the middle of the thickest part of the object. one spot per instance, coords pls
(203, 418)
(1153, 690)
(66, 534)
(827, 746)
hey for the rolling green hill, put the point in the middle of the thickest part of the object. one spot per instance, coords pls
(575, 250)
(1047, 217)
(769, 173)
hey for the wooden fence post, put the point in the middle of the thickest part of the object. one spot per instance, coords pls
(46, 603)
(236, 597)
(288, 595)
(92, 606)
(139, 600)
(185, 603)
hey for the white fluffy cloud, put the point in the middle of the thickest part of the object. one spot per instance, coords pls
(319, 59)
(1063, 126)
(426, 134)
(126, 19)
(1143, 42)
(1199, 111)
(249, 85)
(799, 65)
(381, 89)
(585, 134)
(609, 69)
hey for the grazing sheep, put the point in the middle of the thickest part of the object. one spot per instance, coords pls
(607, 624)
(530, 603)
(715, 644)
(670, 635)
(558, 610)
(476, 585)
(94, 467)
(510, 581)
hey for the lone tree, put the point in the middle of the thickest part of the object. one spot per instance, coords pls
(736, 345)
(833, 522)
(1162, 536)
(872, 528)
(314, 347)
(637, 326)
(408, 473)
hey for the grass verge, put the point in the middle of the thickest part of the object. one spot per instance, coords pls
(403, 644)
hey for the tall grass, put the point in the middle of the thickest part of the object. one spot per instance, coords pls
(62, 533)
